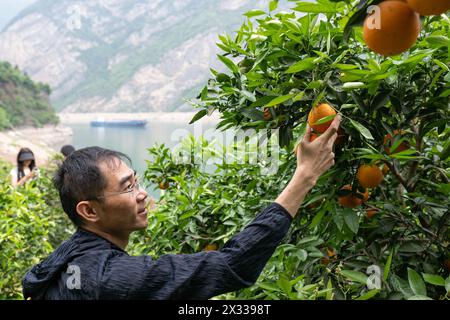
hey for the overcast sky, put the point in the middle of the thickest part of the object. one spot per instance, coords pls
(9, 9)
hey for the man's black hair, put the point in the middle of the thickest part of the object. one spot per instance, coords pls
(67, 150)
(79, 178)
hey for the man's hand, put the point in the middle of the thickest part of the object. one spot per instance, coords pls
(313, 159)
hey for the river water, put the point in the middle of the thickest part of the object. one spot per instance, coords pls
(134, 142)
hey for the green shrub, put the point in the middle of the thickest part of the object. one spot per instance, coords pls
(32, 224)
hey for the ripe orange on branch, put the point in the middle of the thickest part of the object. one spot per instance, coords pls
(319, 112)
(369, 176)
(371, 213)
(429, 7)
(350, 200)
(313, 137)
(394, 30)
(267, 114)
(389, 141)
(164, 185)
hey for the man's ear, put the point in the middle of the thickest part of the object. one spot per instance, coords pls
(87, 211)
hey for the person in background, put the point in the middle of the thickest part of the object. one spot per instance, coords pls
(26, 168)
(67, 150)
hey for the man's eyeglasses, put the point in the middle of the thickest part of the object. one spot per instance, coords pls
(133, 189)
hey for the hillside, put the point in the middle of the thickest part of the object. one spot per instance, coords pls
(22, 101)
(121, 56)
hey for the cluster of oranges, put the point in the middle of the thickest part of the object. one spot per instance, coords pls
(394, 26)
(369, 176)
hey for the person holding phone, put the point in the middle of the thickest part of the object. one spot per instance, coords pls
(26, 169)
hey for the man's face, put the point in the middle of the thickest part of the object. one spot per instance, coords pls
(121, 213)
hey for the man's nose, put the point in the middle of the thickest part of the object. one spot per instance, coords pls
(142, 194)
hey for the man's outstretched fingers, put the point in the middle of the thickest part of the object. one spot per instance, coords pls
(307, 136)
(333, 128)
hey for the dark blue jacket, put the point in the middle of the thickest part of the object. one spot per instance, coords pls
(105, 271)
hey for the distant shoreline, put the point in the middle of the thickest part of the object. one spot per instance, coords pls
(43, 140)
(175, 117)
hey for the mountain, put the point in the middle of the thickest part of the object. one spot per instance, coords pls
(22, 101)
(121, 55)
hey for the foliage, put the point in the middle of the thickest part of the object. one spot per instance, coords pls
(289, 63)
(201, 207)
(22, 101)
(31, 226)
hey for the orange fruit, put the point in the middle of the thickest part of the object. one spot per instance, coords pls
(350, 200)
(429, 7)
(369, 176)
(331, 253)
(267, 114)
(325, 261)
(370, 213)
(395, 32)
(319, 112)
(211, 247)
(365, 195)
(313, 137)
(389, 141)
(164, 185)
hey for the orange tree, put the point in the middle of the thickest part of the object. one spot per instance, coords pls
(289, 64)
(394, 243)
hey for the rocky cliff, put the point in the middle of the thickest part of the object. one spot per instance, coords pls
(121, 55)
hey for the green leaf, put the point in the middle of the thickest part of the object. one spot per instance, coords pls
(316, 220)
(402, 286)
(302, 65)
(411, 246)
(316, 8)
(438, 41)
(387, 267)
(268, 286)
(198, 116)
(230, 64)
(355, 276)
(279, 100)
(248, 95)
(296, 280)
(273, 5)
(284, 284)
(351, 220)
(262, 101)
(419, 297)
(434, 279)
(254, 13)
(363, 130)
(416, 283)
(447, 284)
(368, 295)
(329, 294)
(253, 114)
